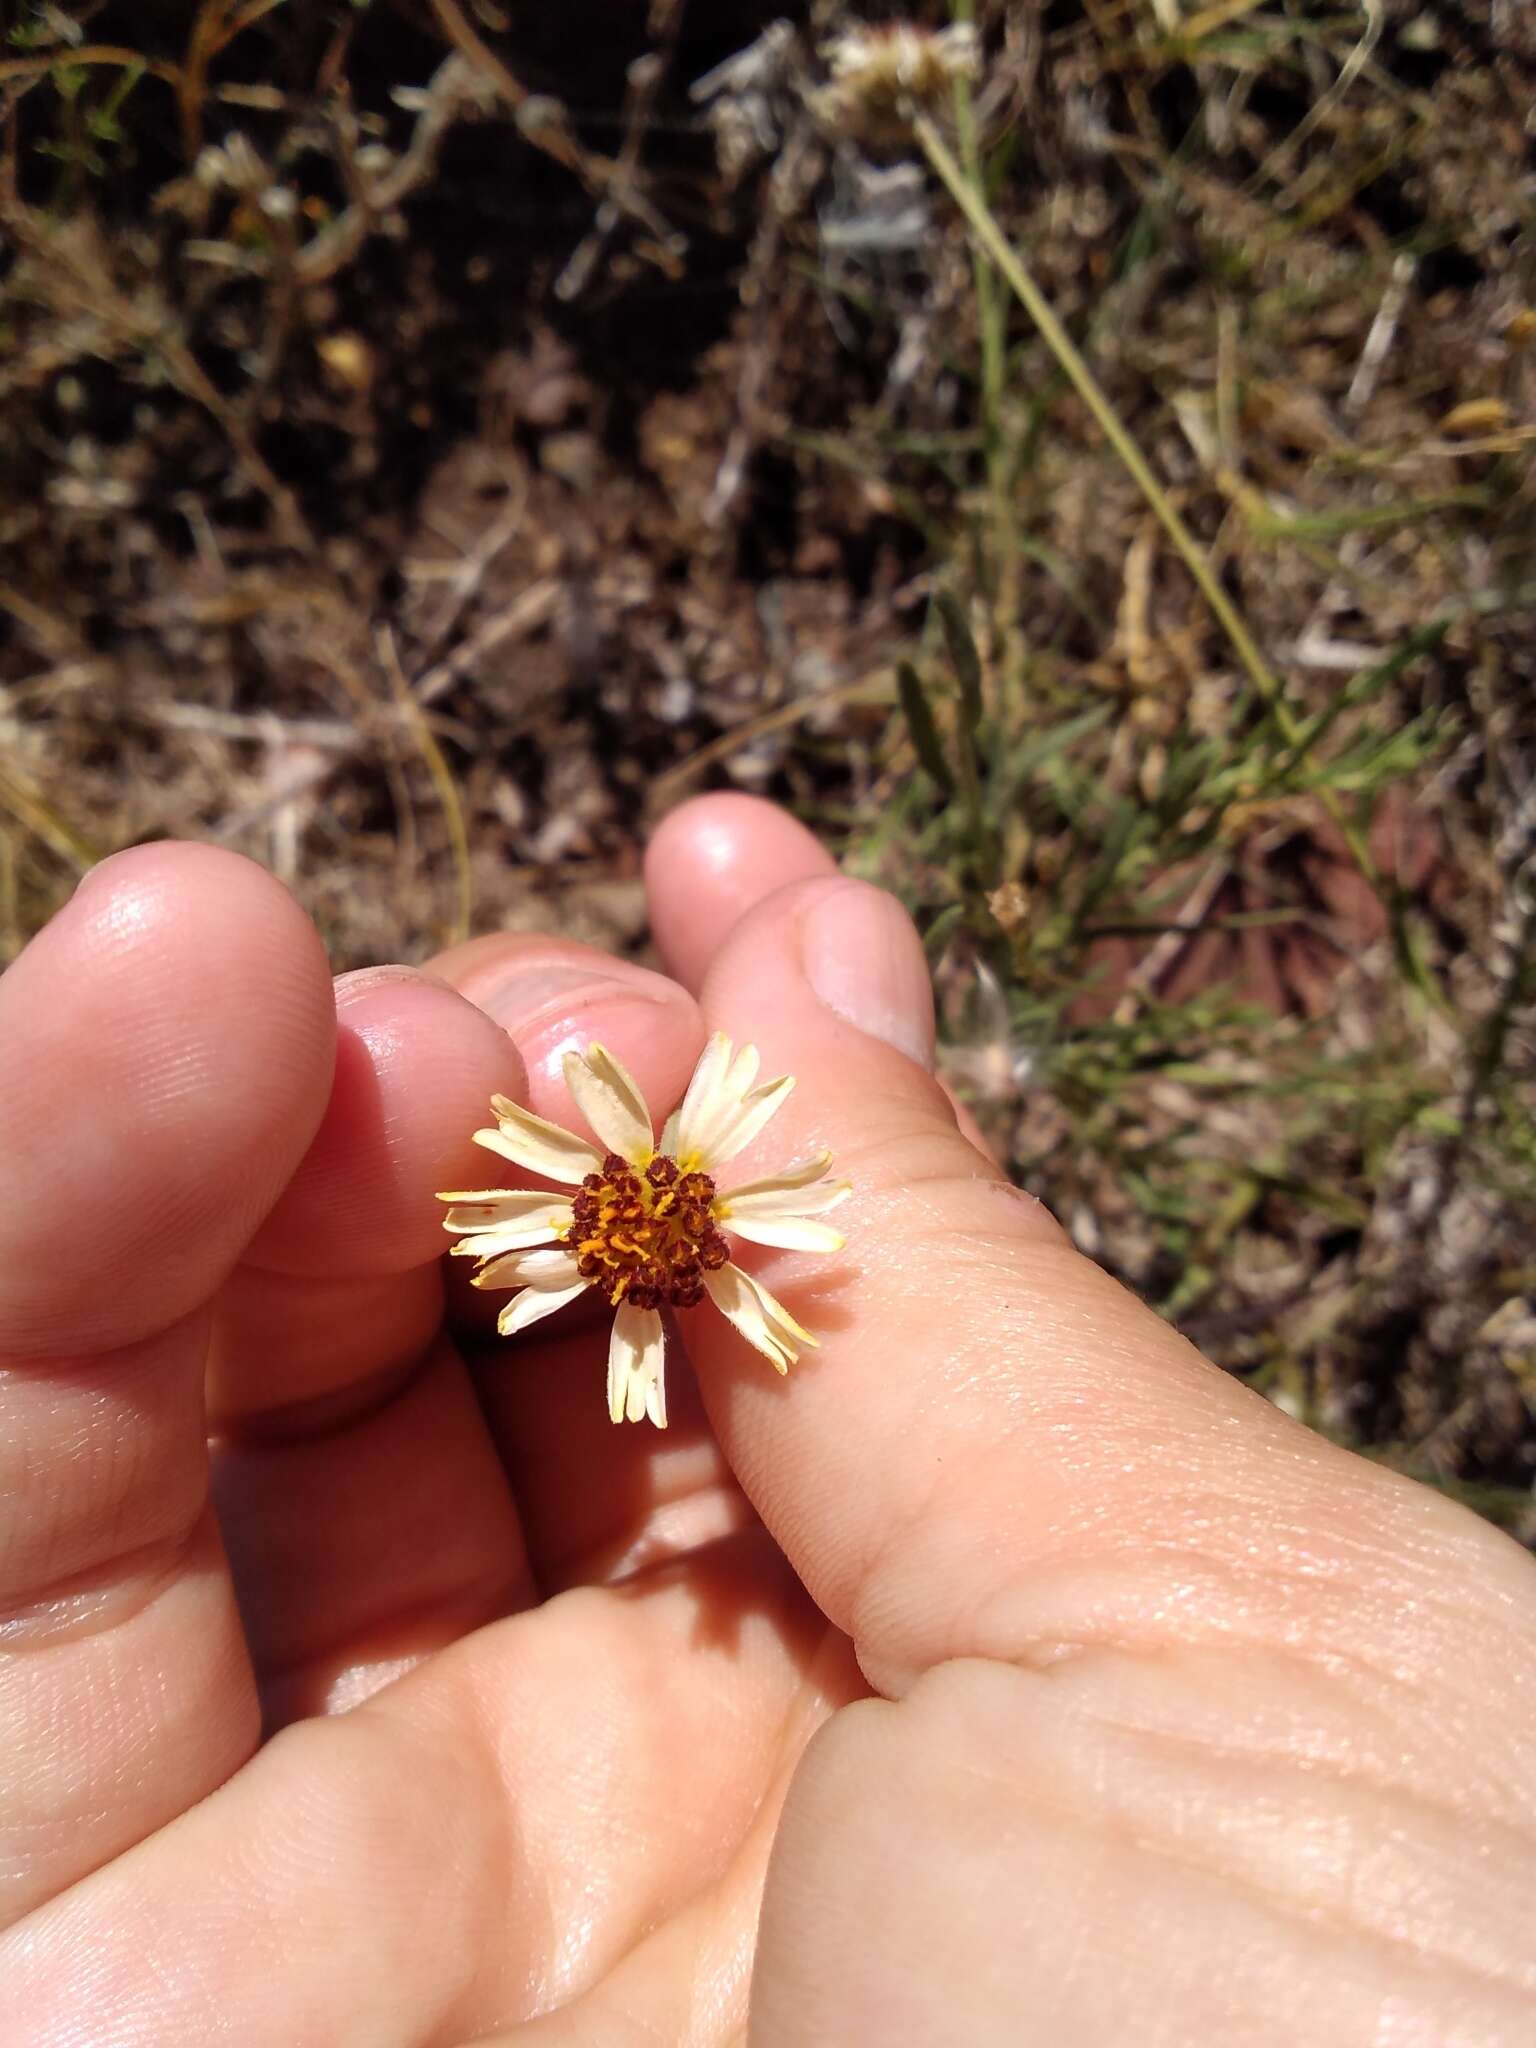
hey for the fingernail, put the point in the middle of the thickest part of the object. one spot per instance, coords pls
(362, 981)
(522, 997)
(865, 961)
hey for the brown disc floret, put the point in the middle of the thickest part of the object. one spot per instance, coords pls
(646, 1236)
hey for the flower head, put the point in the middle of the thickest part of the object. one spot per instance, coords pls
(883, 72)
(645, 1223)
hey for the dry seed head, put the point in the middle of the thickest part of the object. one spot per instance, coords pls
(884, 73)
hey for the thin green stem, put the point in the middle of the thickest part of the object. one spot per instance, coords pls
(992, 324)
(1266, 685)
(1062, 346)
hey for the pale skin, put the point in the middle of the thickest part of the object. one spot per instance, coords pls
(1006, 1674)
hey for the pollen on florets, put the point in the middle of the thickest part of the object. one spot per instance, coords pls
(646, 1236)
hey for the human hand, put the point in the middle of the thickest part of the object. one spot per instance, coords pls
(1077, 1694)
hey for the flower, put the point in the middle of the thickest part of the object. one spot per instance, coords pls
(644, 1222)
(882, 73)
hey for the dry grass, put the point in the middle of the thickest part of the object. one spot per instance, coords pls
(436, 439)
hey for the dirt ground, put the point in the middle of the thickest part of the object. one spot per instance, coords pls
(436, 436)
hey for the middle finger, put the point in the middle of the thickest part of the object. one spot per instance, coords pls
(367, 1518)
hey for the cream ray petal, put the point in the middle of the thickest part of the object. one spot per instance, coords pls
(609, 1098)
(722, 1114)
(498, 1210)
(780, 1321)
(743, 1071)
(546, 1269)
(636, 1361)
(533, 1304)
(729, 1291)
(762, 1198)
(513, 1120)
(541, 1228)
(790, 1233)
(800, 1174)
(656, 1401)
(539, 1146)
(760, 1317)
(492, 1244)
(698, 1107)
(737, 1131)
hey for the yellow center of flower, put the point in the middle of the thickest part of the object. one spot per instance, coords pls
(646, 1235)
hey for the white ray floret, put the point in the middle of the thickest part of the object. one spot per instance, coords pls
(636, 1356)
(549, 1267)
(612, 1104)
(533, 1304)
(761, 1318)
(527, 1140)
(500, 1220)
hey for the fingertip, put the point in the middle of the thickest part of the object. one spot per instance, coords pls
(169, 1039)
(819, 956)
(163, 870)
(180, 909)
(416, 1066)
(862, 958)
(555, 996)
(713, 860)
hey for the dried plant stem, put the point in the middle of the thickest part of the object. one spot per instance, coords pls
(35, 815)
(216, 25)
(1209, 19)
(1266, 685)
(877, 686)
(551, 133)
(1065, 350)
(991, 320)
(89, 53)
(85, 287)
(454, 86)
(418, 726)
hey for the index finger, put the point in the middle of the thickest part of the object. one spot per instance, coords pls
(168, 1044)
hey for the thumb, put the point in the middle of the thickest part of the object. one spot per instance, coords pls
(996, 1451)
